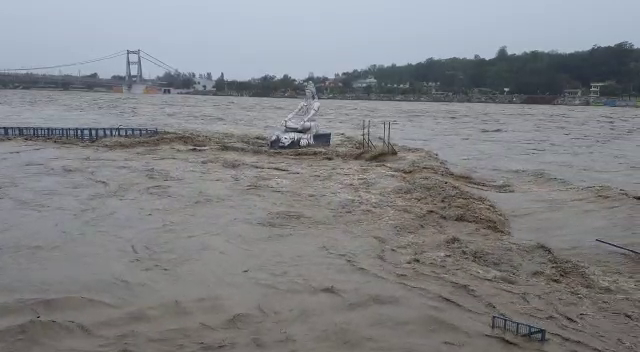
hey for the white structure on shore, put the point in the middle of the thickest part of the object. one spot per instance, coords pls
(595, 89)
(204, 84)
(361, 83)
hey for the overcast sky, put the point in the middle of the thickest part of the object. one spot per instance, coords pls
(249, 38)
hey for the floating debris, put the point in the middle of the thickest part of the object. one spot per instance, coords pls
(617, 246)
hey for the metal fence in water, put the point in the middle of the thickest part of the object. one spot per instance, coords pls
(368, 144)
(82, 133)
(520, 329)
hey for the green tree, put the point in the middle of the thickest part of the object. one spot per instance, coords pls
(611, 90)
(347, 83)
(177, 80)
(245, 86)
(221, 83)
(534, 72)
(502, 53)
(286, 82)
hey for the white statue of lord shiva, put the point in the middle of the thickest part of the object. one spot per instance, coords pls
(300, 126)
(302, 119)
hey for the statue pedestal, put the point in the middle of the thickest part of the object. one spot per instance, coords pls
(296, 140)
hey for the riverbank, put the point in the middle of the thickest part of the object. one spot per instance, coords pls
(456, 98)
(495, 99)
(487, 99)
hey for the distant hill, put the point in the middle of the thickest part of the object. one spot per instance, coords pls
(533, 72)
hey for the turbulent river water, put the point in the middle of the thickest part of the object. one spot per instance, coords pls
(584, 145)
(153, 239)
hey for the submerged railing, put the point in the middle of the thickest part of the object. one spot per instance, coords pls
(520, 329)
(367, 143)
(82, 133)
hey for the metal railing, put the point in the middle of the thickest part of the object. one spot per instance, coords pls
(82, 133)
(367, 143)
(520, 329)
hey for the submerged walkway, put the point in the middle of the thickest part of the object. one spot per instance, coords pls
(82, 133)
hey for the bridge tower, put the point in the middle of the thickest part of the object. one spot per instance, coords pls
(138, 77)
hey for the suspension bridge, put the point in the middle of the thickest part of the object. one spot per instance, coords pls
(31, 77)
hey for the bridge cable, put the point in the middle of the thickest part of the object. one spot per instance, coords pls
(166, 68)
(108, 57)
(160, 61)
(155, 62)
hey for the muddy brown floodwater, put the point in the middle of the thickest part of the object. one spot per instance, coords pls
(204, 240)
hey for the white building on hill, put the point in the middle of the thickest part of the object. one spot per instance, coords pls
(361, 83)
(204, 84)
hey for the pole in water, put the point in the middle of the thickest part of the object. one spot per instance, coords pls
(369, 132)
(362, 134)
(384, 136)
(389, 137)
(615, 245)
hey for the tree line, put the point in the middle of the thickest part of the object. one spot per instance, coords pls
(266, 85)
(531, 73)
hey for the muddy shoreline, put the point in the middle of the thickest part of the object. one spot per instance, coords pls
(212, 242)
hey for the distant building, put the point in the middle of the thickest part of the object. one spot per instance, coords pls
(332, 85)
(573, 92)
(431, 87)
(149, 89)
(204, 84)
(361, 83)
(595, 89)
(484, 91)
(166, 90)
